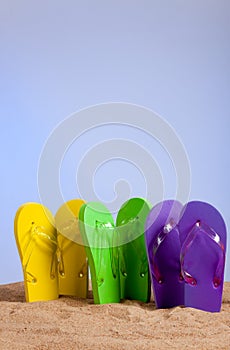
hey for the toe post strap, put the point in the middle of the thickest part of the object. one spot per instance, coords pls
(38, 233)
(160, 237)
(202, 228)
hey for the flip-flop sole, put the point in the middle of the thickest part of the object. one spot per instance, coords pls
(97, 229)
(36, 240)
(163, 247)
(72, 262)
(133, 262)
(203, 255)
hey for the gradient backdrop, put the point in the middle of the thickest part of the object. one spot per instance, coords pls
(58, 57)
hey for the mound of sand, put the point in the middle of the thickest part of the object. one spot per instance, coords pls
(69, 323)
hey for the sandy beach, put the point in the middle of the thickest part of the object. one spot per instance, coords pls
(69, 323)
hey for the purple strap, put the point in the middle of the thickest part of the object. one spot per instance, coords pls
(157, 242)
(200, 227)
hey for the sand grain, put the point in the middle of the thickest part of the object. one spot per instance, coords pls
(69, 323)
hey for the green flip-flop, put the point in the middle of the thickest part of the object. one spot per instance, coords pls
(116, 255)
(99, 237)
(133, 262)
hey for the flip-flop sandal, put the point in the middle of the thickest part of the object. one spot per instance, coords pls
(99, 237)
(163, 247)
(72, 262)
(36, 240)
(203, 238)
(133, 262)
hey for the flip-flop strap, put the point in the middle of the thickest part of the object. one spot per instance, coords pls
(201, 227)
(37, 232)
(133, 225)
(66, 244)
(160, 237)
(103, 241)
(60, 251)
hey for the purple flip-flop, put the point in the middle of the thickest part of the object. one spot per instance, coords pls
(163, 249)
(203, 245)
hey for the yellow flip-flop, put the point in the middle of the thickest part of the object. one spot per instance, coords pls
(36, 240)
(72, 261)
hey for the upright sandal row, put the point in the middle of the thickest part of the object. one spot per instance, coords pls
(179, 249)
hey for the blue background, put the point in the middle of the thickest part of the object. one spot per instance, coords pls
(58, 57)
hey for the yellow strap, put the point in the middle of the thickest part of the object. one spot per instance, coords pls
(34, 233)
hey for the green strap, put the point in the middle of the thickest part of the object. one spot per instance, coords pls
(104, 240)
(133, 225)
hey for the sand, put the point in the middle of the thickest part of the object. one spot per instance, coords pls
(69, 323)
